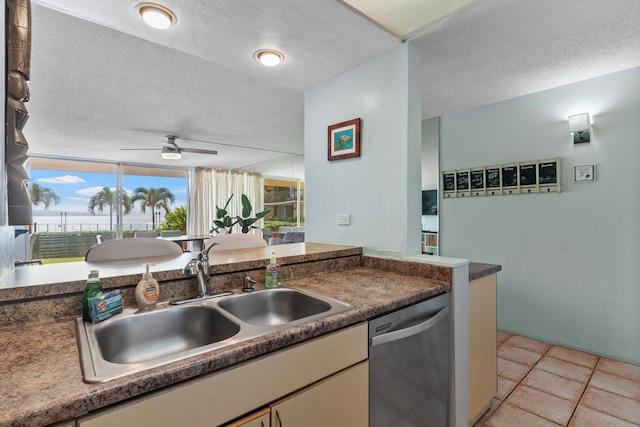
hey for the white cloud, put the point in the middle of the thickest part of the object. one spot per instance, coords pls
(180, 190)
(67, 179)
(78, 199)
(90, 191)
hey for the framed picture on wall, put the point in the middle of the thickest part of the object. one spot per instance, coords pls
(344, 140)
(529, 177)
(462, 183)
(477, 182)
(448, 184)
(509, 179)
(549, 175)
(493, 181)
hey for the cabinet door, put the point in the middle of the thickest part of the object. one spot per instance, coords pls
(257, 419)
(483, 375)
(340, 400)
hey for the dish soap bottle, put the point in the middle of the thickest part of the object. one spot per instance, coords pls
(92, 288)
(272, 279)
(147, 291)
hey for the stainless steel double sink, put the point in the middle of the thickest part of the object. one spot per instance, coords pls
(133, 341)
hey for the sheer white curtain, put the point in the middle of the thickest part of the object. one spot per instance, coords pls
(209, 187)
(252, 185)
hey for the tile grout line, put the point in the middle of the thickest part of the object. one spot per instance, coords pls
(584, 391)
(586, 383)
(538, 415)
(520, 382)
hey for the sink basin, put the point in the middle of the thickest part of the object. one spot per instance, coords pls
(152, 335)
(132, 342)
(274, 306)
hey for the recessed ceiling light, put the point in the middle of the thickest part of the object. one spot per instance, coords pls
(156, 16)
(269, 57)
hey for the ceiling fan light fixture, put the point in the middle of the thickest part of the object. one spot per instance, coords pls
(156, 16)
(171, 154)
(269, 57)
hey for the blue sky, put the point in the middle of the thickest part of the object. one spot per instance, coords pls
(76, 188)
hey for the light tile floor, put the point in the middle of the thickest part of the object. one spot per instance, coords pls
(541, 384)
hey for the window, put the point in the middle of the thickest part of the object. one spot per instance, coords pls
(285, 198)
(75, 201)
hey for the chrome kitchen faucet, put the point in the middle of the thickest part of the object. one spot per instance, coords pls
(199, 267)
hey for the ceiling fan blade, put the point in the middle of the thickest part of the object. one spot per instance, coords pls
(141, 149)
(197, 150)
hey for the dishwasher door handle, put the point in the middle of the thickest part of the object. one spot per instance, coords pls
(410, 331)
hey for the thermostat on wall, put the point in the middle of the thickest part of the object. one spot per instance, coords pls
(584, 173)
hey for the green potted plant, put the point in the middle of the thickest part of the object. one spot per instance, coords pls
(224, 222)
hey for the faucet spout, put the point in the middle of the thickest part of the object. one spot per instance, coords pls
(199, 267)
(195, 268)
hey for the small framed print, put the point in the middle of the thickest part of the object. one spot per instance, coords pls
(493, 180)
(448, 184)
(549, 175)
(528, 177)
(462, 183)
(510, 179)
(584, 173)
(344, 140)
(477, 182)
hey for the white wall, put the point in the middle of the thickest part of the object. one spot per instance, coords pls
(571, 261)
(381, 189)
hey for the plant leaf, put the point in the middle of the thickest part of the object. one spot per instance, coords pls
(246, 206)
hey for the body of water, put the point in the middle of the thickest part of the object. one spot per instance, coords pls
(73, 221)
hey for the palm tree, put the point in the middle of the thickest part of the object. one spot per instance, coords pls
(154, 198)
(108, 197)
(44, 195)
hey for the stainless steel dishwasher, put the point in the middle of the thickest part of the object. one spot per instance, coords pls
(409, 365)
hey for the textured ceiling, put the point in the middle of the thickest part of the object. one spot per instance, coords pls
(102, 80)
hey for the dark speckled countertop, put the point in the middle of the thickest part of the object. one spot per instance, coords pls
(41, 381)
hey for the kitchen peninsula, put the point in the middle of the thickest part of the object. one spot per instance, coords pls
(39, 366)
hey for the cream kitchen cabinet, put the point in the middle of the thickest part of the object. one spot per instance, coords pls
(257, 419)
(483, 375)
(341, 400)
(223, 396)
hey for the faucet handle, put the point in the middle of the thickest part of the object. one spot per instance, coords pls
(248, 284)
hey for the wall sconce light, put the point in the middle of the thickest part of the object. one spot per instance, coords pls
(580, 128)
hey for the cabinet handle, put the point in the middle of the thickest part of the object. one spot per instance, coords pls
(262, 423)
(410, 331)
(278, 420)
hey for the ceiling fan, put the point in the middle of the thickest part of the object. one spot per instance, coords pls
(171, 151)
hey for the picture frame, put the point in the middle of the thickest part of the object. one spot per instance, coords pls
(549, 175)
(462, 183)
(449, 184)
(477, 180)
(584, 173)
(493, 180)
(344, 140)
(528, 177)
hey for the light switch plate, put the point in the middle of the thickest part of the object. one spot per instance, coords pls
(343, 219)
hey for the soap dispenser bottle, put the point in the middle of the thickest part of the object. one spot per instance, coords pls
(272, 279)
(92, 288)
(147, 291)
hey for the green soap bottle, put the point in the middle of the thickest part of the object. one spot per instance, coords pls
(91, 289)
(272, 279)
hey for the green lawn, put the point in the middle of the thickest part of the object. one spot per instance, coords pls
(59, 260)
